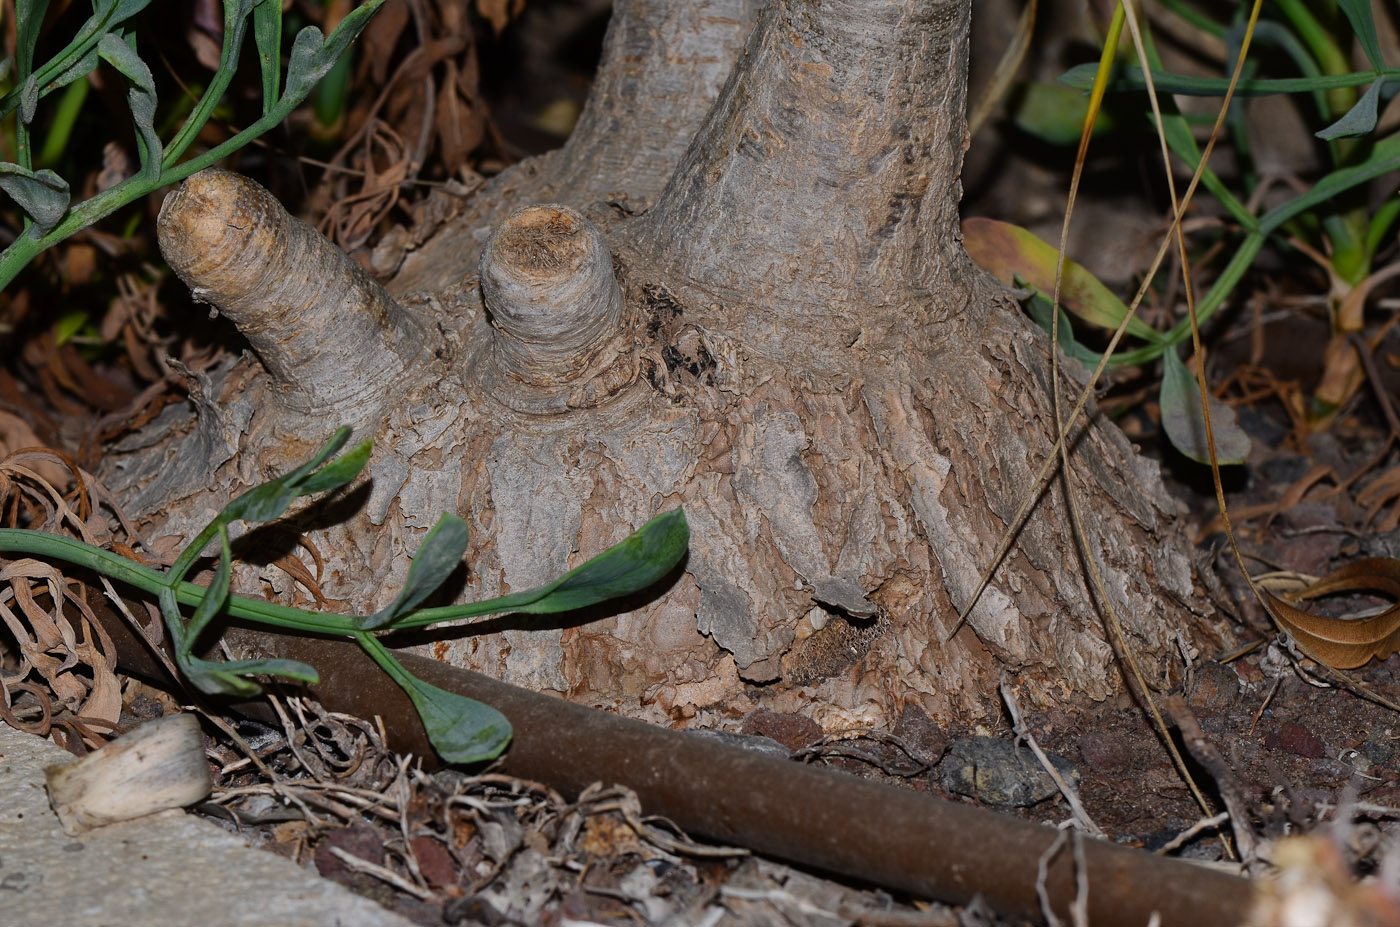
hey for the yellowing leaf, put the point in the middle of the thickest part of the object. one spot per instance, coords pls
(1005, 251)
(1344, 643)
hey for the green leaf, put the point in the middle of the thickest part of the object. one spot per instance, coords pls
(116, 12)
(312, 55)
(68, 325)
(215, 597)
(1186, 428)
(269, 500)
(267, 33)
(141, 98)
(29, 100)
(107, 15)
(29, 16)
(338, 472)
(174, 623)
(1360, 119)
(462, 730)
(1039, 308)
(82, 67)
(630, 566)
(235, 27)
(1358, 13)
(42, 194)
(439, 554)
(1054, 114)
(1006, 251)
(1383, 158)
(227, 678)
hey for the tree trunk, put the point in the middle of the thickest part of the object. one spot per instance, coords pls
(758, 309)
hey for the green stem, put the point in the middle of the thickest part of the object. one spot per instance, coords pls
(1129, 78)
(1324, 46)
(25, 248)
(235, 26)
(386, 660)
(1383, 158)
(129, 572)
(136, 575)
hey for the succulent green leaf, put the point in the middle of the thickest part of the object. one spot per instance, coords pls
(462, 730)
(267, 33)
(42, 194)
(313, 55)
(627, 567)
(1007, 251)
(439, 554)
(216, 597)
(1360, 119)
(121, 54)
(227, 678)
(1185, 426)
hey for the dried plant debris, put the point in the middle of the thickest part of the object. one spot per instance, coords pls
(421, 115)
(57, 663)
(451, 848)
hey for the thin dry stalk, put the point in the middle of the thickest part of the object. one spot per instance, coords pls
(1066, 788)
(1236, 801)
(1189, 833)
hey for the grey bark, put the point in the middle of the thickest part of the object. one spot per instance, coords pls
(803, 357)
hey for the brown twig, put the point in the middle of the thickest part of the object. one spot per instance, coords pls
(1226, 783)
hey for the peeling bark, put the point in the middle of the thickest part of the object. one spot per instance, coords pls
(792, 344)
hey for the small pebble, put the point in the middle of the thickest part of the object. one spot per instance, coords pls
(996, 772)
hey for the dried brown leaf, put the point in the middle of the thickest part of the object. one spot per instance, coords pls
(1380, 492)
(1344, 643)
(380, 37)
(460, 121)
(499, 13)
(15, 433)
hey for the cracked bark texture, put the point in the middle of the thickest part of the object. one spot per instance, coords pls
(803, 357)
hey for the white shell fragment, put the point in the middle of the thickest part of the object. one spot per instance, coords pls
(158, 766)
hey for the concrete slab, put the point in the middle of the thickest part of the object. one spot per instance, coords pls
(167, 870)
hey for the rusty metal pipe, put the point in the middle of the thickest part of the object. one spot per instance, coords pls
(822, 818)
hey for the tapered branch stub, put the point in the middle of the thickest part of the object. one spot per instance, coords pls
(555, 305)
(332, 338)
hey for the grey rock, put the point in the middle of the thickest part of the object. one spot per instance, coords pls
(997, 772)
